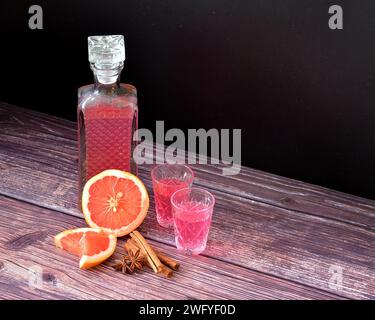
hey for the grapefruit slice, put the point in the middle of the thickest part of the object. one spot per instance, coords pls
(92, 245)
(115, 201)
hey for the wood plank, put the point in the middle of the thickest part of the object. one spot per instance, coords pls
(255, 228)
(252, 234)
(53, 185)
(27, 251)
(262, 231)
(33, 133)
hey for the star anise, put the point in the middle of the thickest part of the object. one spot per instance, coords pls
(136, 260)
(122, 265)
(129, 262)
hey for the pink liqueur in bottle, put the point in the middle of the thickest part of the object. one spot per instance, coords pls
(107, 112)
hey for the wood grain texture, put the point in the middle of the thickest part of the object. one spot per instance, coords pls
(262, 222)
(31, 267)
(33, 133)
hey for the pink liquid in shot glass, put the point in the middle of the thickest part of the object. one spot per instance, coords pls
(192, 213)
(167, 179)
(162, 193)
(191, 227)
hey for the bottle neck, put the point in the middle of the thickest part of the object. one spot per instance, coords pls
(107, 75)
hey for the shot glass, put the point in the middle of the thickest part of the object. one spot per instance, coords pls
(192, 212)
(166, 179)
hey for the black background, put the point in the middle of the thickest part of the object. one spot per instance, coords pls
(302, 93)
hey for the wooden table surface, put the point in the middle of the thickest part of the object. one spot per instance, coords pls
(270, 238)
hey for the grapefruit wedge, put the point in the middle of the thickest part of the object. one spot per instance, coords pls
(115, 201)
(93, 246)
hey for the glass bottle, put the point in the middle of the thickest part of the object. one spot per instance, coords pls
(107, 112)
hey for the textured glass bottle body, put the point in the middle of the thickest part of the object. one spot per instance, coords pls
(107, 119)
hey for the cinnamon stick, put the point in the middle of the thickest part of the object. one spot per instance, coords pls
(132, 246)
(165, 271)
(150, 254)
(168, 261)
